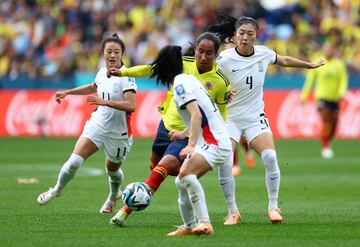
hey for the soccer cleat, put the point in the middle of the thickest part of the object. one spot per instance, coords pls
(232, 219)
(203, 229)
(250, 160)
(119, 218)
(275, 216)
(47, 196)
(109, 205)
(236, 171)
(181, 231)
(327, 153)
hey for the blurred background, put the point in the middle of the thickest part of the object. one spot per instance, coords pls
(53, 44)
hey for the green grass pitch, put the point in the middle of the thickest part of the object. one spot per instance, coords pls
(320, 200)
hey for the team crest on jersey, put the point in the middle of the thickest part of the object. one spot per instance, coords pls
(208, 85)
(260, 66)
(180, 90)
(115, 88)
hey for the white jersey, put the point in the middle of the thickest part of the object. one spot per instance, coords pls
(247, 76)
(187, 89)
(109, 121)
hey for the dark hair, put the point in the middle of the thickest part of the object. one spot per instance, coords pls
(228, 25)
(208, 36)
(167, 65)
(114, 38)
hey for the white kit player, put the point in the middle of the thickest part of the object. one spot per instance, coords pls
(208, 144)
(109, 125)
(246, 65)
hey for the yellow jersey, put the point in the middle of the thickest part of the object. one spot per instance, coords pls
(214, 81)
(331, 81)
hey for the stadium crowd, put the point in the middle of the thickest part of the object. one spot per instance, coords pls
(48, 38)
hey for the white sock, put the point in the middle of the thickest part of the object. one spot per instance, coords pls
(115, 181)
(197, 197)
(186, 210)
(272, 176)
(68, 171)
(227, 182)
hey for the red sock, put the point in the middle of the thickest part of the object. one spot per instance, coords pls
(157, 176)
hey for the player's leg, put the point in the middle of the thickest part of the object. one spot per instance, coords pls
(329, 116)
(264, 145)
(83, 149)
(227, 182)
(236, 169)
(186, 211)
(193, 168)
(116, 151)
(249, 157)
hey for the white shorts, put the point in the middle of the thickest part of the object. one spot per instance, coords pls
(115, 149)
(252, 130)
(214, 155)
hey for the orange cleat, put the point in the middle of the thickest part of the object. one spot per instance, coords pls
(232, 219)
(181, 231)
(250, 160)
(203, 229)
(275, 216)
(236, 171)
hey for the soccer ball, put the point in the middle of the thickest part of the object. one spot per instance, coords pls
(137, 196)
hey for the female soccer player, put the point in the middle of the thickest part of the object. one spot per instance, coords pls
(246, 65)
(170, 140)
(331, 85)
(109, 125)
(207, 146)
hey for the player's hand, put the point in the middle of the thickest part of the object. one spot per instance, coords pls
(231, 95)
(59, 96)
(113, 72)
(94, 100)
(176, 135)
(319, 63)
(186, 152)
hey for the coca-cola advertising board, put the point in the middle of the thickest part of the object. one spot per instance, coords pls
(35, 113)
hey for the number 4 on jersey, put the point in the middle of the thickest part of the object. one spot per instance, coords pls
(249, 81)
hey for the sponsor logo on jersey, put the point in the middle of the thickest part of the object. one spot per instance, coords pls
(208, 85)
(234, 70)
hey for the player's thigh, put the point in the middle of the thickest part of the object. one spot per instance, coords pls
(234, 132)
(205, 158)
(85, 147)
(161, 141)
(262, 142)
(116, 150)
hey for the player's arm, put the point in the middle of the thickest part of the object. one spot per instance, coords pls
(287, 61)
(343, 82)
(195, 128)
(135, 71)
(309, 82)
(128, 104)
(83, 90)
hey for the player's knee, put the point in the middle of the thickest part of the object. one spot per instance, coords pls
(75, 162)
(269, 157)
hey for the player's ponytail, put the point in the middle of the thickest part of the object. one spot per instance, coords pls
(225, 28)
(167, 65)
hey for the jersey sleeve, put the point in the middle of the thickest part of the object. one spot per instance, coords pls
(272, 56)
(182, 93)
(129, 84)
(223, 89)
(137, 71)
